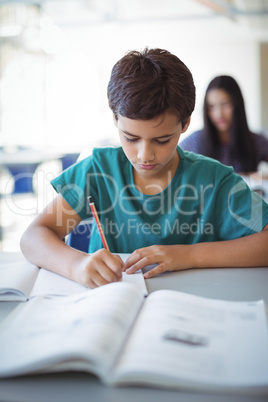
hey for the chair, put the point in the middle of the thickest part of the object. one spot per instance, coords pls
(23, 177)
(22, 167)
(69, 159)
(79, 238)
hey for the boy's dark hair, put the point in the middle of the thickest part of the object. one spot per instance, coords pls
(143, 85)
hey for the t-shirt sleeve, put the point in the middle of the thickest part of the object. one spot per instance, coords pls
(75, 184)
(240, 211)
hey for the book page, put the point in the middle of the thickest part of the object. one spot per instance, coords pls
(21, 280)
(51, 283)
(17, 280)
(137, 277)
(83, 331)
(184, 340)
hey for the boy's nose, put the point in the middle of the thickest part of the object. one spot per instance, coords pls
(146, 153)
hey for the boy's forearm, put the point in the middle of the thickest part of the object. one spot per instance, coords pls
(44, 248)
(249, 251)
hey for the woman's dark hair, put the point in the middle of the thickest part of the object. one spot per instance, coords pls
(143, 85)
(242, 145)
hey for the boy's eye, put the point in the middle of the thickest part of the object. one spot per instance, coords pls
(131, 139)
(162, 142)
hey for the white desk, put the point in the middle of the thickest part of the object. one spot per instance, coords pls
(229, 284)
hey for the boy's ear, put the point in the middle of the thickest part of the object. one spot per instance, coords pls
(115, 119)
(186, 125)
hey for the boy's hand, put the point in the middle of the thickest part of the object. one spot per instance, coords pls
(167, 258)
(99, 269)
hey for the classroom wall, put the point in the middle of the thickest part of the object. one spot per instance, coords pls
(239, 59)
(207, 52)
(63, 101)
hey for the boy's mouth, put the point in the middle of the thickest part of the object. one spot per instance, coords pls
(146, 167)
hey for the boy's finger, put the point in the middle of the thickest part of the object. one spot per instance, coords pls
(110, 276)
(103, 276)
(137, 266)
(115, 264)
(159, 269)
(134, 258)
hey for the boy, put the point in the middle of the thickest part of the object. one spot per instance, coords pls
(165, 206)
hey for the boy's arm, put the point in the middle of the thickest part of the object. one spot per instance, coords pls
(42, 244)
(249, 251)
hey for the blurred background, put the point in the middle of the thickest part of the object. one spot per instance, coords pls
(55, 61)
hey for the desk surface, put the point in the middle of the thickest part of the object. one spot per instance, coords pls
(226, 283)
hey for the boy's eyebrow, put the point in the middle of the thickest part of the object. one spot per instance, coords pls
(133, 135)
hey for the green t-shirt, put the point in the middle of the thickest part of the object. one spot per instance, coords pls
(204, 202)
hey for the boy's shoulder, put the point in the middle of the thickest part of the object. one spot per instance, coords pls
(108, 159)
(195, 157)
(108, 152)
(197, 162)
(100, 159)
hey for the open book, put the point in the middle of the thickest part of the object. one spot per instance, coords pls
(20, 281)
(169, 339)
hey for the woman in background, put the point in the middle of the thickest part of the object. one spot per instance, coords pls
(226, 135)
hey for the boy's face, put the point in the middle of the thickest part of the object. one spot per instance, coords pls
(150, 145)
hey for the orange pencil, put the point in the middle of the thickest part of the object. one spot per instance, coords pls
(95, 215)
